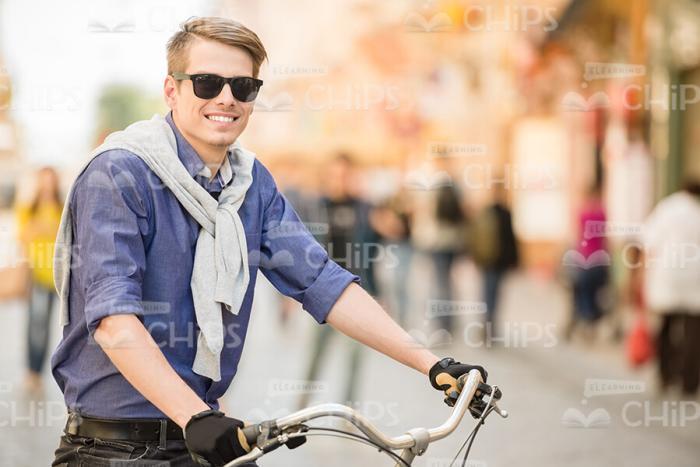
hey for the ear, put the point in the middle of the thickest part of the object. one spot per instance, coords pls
(170, 91)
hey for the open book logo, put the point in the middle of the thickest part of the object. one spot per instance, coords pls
(439, 22)
(575, 102)
(427, 180)
(277, 260)
(438, 338)
(103, 26)
(574, 418)
(575, 259)
(282, 102)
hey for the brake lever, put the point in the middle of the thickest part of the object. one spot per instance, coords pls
(485, 389)
(478, 405)
(451, 398)
(270, 437)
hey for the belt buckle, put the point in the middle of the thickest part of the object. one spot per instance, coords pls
(73, 423)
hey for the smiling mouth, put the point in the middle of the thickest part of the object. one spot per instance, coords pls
(221, 118)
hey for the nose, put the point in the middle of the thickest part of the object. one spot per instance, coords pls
(225, 97)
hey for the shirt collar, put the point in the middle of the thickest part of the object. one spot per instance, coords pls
(193, 163)
(225, 174)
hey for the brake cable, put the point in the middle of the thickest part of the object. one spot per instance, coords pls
(470, 439)
(335, 432)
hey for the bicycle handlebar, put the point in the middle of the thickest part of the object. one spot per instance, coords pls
(271, 434)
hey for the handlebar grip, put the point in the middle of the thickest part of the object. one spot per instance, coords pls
(251, 433)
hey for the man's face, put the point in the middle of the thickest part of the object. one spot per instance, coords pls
(192, 114)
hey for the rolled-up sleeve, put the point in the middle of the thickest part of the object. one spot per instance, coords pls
(295, 263)
(110, 214)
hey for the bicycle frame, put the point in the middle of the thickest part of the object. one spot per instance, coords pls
(412, 443)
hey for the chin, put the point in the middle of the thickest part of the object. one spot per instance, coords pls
(222, 140)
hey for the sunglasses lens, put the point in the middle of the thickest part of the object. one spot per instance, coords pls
(245, 89)
(207, 86)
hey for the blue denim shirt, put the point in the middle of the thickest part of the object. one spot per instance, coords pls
(134, 249)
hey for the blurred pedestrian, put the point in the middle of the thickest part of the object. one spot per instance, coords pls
(592, 273)
(349, 240)
(495, 251)
(441, 233)
(392, 221)
(672, 285)
(37, 225)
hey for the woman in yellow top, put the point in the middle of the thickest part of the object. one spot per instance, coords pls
(37, 225)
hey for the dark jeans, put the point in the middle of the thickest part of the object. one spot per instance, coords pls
(442, 262)
(76, 451)
(492, 289)
(38, 325)
(679, 351)
(588, 287)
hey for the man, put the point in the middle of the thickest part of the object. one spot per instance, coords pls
(495, 251)
(163, 234)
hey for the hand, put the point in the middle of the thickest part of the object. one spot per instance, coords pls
(214, 439)
(443, 376)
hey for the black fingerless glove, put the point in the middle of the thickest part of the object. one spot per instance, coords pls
(214, 439)
(443, 377)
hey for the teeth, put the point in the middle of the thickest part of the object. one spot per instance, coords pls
(221, 118)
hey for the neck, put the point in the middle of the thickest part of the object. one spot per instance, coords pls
(212, 156)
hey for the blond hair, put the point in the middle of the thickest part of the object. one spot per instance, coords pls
(223, 30)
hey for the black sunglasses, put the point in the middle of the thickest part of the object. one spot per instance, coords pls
(207, 86)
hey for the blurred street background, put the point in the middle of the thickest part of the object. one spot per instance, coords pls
(516, 182)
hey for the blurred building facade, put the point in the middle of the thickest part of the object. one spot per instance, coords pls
(9, 155)
(542, 98)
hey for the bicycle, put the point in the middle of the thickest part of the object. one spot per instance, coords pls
(270, 435)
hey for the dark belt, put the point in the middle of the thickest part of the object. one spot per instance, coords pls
(150, 429)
